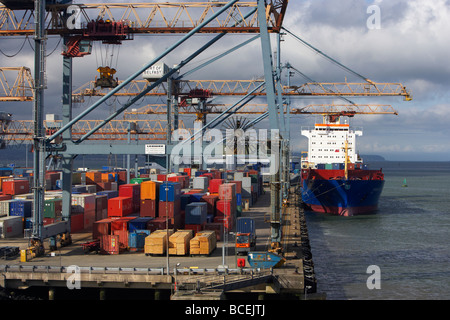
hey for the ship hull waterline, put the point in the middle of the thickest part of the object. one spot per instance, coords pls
(342, 197)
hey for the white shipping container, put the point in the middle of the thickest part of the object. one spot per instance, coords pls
(4, 207)
(238, 176)
(83, 202)
(200, 183)
(91, 188)
(246, 182)
(114, 186)
(11, 227)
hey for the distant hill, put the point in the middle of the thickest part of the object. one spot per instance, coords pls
(372, 157)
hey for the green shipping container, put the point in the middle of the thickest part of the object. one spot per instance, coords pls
(52, 208)
(76, 177)
(254, 178)
(138, 180)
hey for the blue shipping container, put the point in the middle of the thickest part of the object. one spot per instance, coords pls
(197, 197)
(28, 223)
(78, 189)
(196, 213)
(169, 191)
(109, 193)
(21, 208)
(200, 172)
(238, 199)
(185, 199)
(138, 223)
(136, 240)
(147, 232)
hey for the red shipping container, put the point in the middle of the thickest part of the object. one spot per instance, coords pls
(211, 201)
(101, 228)
(217, 174)
(188, 171)
(217, 227)
(238, 186)
(180, 179)
(109, 244)
(132, 191)
(102, 186)
(52, 176)
(157, 224)
(214, 185)
(209, 175)
(161, 177)
(172, 209)
(15, 187)
(123, 238)
(5, 197)
(120, 207)
(225, 208)
(148, 208)
(89, 219)
(122, 176)
(76, 222)
(227, 191)
(120, 223)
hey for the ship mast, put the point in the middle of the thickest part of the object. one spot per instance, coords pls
(346, 159)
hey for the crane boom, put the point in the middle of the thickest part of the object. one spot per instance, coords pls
(16, 84)
(243, 87)
(145, 18)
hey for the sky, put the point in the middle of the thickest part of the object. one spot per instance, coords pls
(406, 43)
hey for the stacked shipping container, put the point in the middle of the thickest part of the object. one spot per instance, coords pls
(103, 203)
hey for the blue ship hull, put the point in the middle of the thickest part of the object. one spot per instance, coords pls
(342, 197)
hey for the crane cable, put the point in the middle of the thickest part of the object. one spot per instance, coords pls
(315, 82)
(328, 57)
(15, 54)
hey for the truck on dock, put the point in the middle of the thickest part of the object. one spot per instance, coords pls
(245, 235)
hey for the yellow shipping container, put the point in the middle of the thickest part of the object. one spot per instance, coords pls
(149, 190)
(179, 242)
(156, 242)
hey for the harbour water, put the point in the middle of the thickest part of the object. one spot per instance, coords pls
(407, 239)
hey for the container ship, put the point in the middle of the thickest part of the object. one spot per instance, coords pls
(334, 178)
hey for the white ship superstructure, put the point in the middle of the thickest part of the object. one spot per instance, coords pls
(327, 142)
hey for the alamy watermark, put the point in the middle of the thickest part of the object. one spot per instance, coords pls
(374, 20)
(374, 280)
(74, 280)
(73, 21)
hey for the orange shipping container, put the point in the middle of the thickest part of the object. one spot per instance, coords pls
(93, 177)
(15, 187)
(107, 177)
(150, 190)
